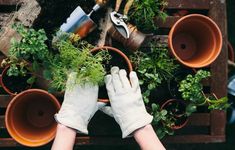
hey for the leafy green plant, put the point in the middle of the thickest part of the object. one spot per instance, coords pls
(76, 58)
(154, 68)
(192, 91)
(28, 54)
(162, 121)
(142, 13)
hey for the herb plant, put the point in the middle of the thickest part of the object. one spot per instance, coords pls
(28, 54)
(76, 58)
(192, 91)
(142, 13)
(154, 68)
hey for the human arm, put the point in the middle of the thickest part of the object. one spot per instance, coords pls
(78, 107)
(147, 138)
(129, 110)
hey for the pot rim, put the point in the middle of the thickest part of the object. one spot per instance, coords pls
(9, 127)
(127, 60)
(170, 42)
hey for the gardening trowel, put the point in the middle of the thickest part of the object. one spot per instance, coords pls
(119, 19)
(79, 22)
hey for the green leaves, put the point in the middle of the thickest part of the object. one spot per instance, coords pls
(191, 88)
(154, 68)
(143, 12)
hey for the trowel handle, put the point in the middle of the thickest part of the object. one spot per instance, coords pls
(127, 7)
(118, 4)
(101, 2)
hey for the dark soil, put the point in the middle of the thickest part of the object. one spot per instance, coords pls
(16, 84)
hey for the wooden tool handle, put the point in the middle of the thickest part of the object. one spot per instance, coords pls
(128, 6)
(118, 4)
(101, 2)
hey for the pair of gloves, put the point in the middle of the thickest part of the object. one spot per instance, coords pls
(127, 106)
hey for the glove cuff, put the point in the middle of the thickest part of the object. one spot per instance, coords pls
(73, 121)
(139, 121)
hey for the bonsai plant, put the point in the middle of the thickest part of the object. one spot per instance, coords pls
(154, 68)
(143, 12)
(192, 92)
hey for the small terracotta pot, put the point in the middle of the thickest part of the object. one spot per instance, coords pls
(3, 82)
(119, 53)
(132, 43)
(195, 40)
(181, 119)
(29, 117)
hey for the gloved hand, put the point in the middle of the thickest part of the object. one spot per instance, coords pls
(126, 101)
(79, 105)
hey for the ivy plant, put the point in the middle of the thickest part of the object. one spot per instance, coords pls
(143, 12)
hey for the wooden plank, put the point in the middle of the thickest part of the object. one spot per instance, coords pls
(219, 67)
(168, 23)
(9, 2)
(183, 139)
(199, 119)
(188, 4)
(8, 142)
(218, 122)
(4, 100)
(2, 122)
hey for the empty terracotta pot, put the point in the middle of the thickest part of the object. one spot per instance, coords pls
(195, 40)
(29, 117)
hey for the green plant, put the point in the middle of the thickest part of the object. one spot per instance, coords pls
(143, 12)
(154, 68)
(162, 121)
(28, 54)
(192, 91)
(76, 58)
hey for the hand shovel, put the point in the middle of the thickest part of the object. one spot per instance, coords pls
(79, 22)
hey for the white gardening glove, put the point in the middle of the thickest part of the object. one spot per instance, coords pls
(126, 101)
(79, 105)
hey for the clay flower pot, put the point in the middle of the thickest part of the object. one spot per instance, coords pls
(29, 117)
(132, 43)
(177, 109)
(13, 85)
(195, 40)
(118, 59)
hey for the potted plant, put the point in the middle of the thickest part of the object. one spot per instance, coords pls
(188, 43)
(154, 68)
(192, 92)
(29, 55)
(29, 117)
(118, 58)
(142, 13)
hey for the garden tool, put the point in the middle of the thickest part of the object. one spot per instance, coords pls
(119, 19)
(79, 22)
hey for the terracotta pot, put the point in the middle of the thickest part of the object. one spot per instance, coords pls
(179, 115)
(5, 80)
(195, 40)
(29, 117)
(132, 43)
(119, 53)
(230, 52)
